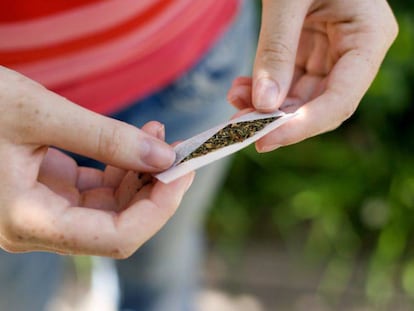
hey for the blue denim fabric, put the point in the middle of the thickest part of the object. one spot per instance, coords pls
(164, 273)
(28, 280)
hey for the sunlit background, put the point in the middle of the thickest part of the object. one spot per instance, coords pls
(329, 222)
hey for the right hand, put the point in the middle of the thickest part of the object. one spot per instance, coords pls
(315, 57)
(48, 203)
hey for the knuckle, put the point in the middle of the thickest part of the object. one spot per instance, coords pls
(123, 252)
(391, 24)
(109, 140)
(344, 109)
(347, 111)
(276, 52)
(394, 29)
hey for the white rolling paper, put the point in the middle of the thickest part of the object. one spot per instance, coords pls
(186, 147)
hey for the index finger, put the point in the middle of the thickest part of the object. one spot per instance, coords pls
(34, 115)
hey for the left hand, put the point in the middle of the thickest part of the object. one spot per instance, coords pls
(317, 57)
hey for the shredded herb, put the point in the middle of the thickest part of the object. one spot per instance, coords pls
(231, 134)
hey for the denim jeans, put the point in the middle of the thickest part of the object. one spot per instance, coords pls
(163, 274)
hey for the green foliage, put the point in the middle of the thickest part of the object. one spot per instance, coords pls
(342, 195)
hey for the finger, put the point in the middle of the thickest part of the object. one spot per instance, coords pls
(155, 129)
(242, 80)
(318, 61)
(346, 85)
(60, 172)
(313, 54)
(307, 87)
(53, 120)
(113, 176)
(107, 140)
(280, 31)
(144, 193)
(115, 199)
(165, 195)
(69, 192)
(89, 178)
(57, 167)
(240, 96)
(98, 198)
(297, 75)
(146, 217)
(130, 185)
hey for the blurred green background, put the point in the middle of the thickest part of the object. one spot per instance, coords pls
(341, 197)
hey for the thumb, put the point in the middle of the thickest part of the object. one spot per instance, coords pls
(281, 26)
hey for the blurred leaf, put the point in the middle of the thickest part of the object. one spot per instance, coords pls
(408, 278)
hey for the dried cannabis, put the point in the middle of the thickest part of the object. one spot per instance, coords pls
(230, 134)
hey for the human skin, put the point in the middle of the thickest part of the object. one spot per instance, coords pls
(48, 203)
(317, 57)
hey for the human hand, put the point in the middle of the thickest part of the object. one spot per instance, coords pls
(318, 57)
(48, 203)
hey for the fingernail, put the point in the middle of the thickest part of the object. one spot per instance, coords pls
(157, 154)
(267, 92)
(268, 148)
